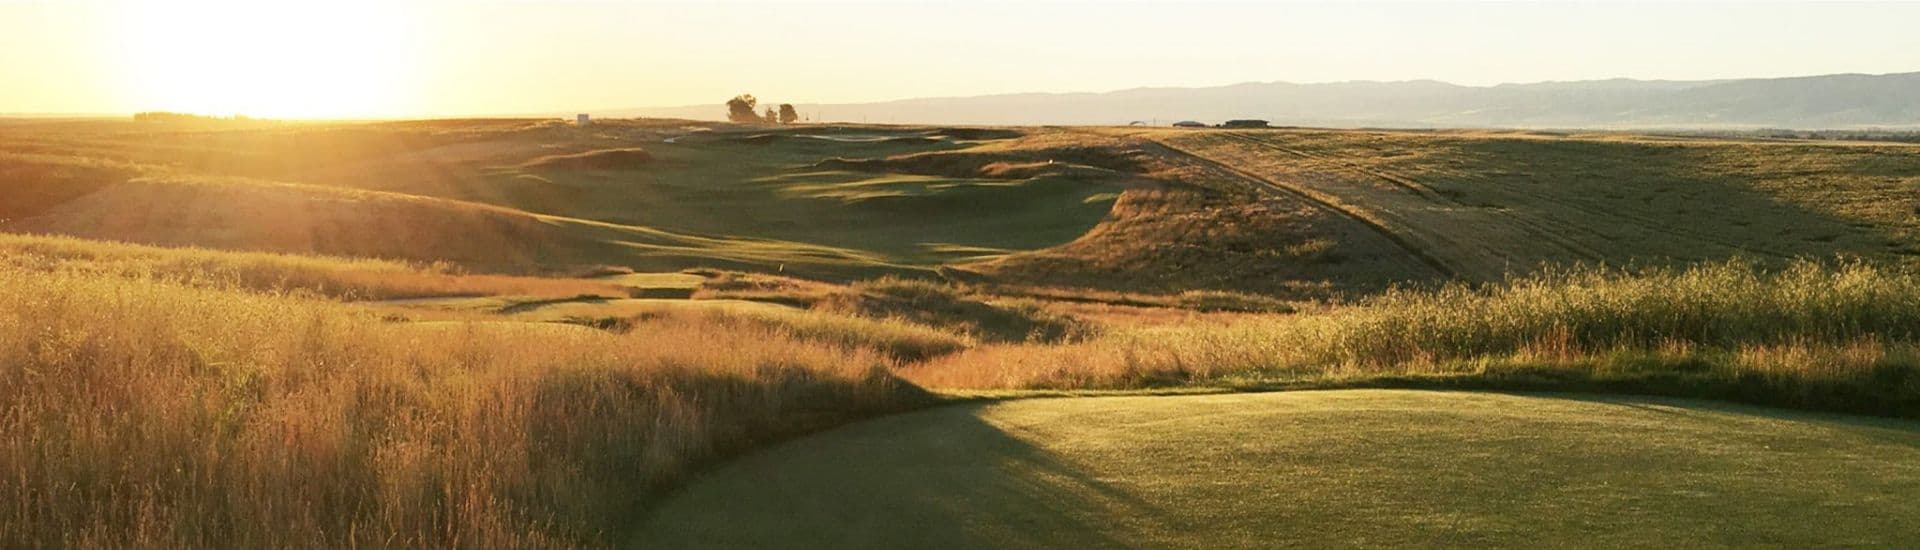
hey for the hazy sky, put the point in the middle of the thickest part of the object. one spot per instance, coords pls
(442, 57)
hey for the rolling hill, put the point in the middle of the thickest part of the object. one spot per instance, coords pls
(1828, 101)
(530, 195)
(525, 333)
(1293, 213)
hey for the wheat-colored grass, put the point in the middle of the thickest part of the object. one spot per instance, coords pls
(141, 413)
(898, 338)
(1823, 335)
(352, 278)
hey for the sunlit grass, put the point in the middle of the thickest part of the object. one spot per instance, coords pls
(154, 414)
(354, 278)
(895, 337)
(1818, 335)
(169, 397)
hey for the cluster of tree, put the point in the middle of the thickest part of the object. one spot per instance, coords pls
(740, 109)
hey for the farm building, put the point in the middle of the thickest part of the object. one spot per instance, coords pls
(1189, 124)
(1245, 123)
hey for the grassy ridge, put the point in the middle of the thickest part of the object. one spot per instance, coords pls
(35, 182)
(1835, 336)
(152, 414)
(351, 278)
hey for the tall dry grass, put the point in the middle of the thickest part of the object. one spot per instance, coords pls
(899, 339)
(348, 278)
(144, 413)
(954, 308)
(1826, 335)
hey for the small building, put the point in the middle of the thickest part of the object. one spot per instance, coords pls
(1189, 124)
(1245, 123)
(581, 120)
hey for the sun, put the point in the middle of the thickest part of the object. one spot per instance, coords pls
(270, 59)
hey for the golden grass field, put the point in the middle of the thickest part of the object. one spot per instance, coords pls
(517, 333)
(154, 414)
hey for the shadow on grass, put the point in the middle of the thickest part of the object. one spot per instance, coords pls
(1885, 430)
(946, 479)
(1886, 394)
(1372, 469)
(1668, 204)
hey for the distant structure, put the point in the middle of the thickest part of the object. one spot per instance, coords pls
(1245, 123)
(581, 120)
(1189, 124)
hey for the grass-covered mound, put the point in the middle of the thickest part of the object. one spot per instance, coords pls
(603, 159)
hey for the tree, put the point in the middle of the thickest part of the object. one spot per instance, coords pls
(771, 118)
(740, 108)
(787, 114)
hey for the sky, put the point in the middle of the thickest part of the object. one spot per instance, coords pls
(426, 58)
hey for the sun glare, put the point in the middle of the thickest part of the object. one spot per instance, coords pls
(269, 59)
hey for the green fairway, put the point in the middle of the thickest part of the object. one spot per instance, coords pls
(1316, 469)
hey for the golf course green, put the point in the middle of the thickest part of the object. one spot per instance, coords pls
(1316, 469)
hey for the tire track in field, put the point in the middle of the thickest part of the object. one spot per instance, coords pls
(1549, 230)
(1543, 231)
(1323, 202)
(1648, 223)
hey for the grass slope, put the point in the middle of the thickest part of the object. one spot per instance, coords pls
(343, 278)
(1485, 203)
(1367, 468)
(831, 201)
(76, 198)
(1295, 213)
(1203, 226)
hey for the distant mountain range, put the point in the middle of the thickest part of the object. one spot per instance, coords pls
(1812, 102)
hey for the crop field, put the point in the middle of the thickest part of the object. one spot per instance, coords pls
(684, 334)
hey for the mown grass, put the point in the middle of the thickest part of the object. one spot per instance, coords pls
(1321, 469)
(145, 413)
(1837, 336)
(347, 278)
